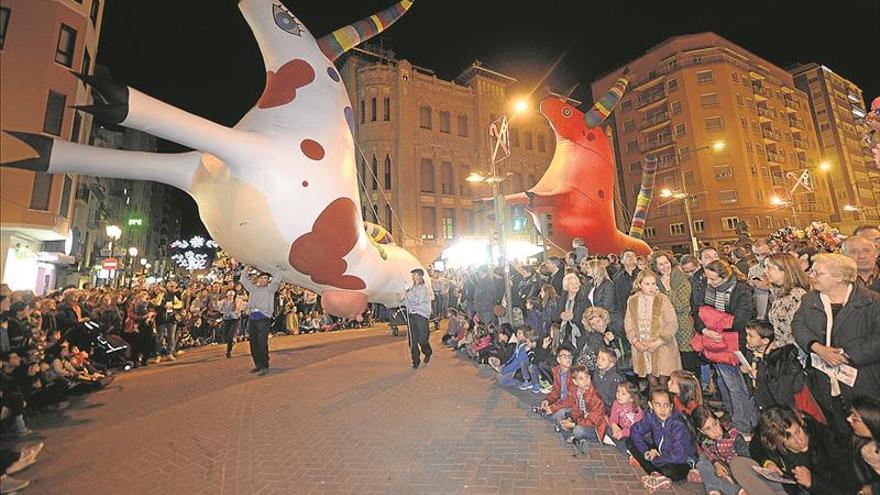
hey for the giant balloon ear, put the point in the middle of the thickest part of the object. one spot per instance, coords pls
(602, 108)
(340, 41)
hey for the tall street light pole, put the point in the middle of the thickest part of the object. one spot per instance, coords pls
(114, 233)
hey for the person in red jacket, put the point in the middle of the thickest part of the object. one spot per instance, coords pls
(552, 407)
(586, 422)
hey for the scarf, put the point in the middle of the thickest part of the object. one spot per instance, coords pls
(719, 297)
(574, 329)
(829, 323)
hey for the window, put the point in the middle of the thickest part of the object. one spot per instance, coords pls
(529, 144)
(41, 191)
(684, 153)
(387, 173)
(542, 143)
(733, 76)
(699, 226)
(75, 129)
(513, 135)
(425, 117)
(389, 219)
(373, 109)
(650, 232)
(64, 209)
(709, 99)
(714, 123)
(447, 224)
(635, 166)
(363, 111)
(362, 174)
(386, 109)
(429, 223)
(744, 123)
(4, 24)
(680, 130)
(723, 172)
(463, 185)
(66, 45)
(446, 184)
(626, 105)
(93, 12)
(739, 99)
(427, 176)
(463, 125)
(705, 76)
(672, 85)
(86, 62)
(729, 223)
(689, 177)
(632, 146)
(54, 113)
(629, 126)
(445, 122)
(675, 106)
(676, 229)
(727, 196)
(375, 174)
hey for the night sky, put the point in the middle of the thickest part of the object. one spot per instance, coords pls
(200, 55)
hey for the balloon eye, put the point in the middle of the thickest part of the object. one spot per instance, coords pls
(566, 112)
(285, 20)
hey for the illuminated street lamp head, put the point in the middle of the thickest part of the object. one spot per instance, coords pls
(475, 177)
(850, 208)
(132, 251)
(143, 262)
(520, 106)
(113, 231)
(666, 193)
(825, 166)
(777, 201)
(718, 146)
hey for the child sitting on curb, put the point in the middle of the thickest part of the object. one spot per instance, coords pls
(553, 406)
(606, 378)
(662, 443)
(586, 422)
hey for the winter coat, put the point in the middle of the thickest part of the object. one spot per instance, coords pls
(593, 411)
(717, 352)
(672, 438)
(516, 360)
(680, 295)
(555, 395)
(856, 330)
(625, 416)
(605, 383)
(623, 286)
(741, 306)
(664, 324)
(580, 305)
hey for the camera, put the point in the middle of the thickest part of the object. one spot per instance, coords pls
(537, 410)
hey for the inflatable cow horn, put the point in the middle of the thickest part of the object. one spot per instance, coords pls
(277, 191)
(340, 41)
(602, 108)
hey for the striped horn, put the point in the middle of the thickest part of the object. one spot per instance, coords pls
(338, 42)
(602, 108)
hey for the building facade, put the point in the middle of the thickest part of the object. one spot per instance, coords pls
(729, 129)
(419, 137)
(838, 108)
(41, 41)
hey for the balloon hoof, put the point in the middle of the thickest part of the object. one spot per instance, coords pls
(344, 304)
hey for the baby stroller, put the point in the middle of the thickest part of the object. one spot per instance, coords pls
(396, 318)
(111, 351)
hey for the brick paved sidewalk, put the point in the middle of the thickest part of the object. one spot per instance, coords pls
(340, 413)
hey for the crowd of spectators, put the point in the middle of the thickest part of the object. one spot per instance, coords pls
(736, 368)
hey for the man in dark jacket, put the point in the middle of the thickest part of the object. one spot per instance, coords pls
(555, 272)
(623, 281)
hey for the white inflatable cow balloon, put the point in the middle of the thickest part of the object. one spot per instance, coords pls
(278, 191)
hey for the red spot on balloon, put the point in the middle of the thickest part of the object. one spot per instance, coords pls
(312, 149)
(281, 86)
(321, 252)
(305, 183)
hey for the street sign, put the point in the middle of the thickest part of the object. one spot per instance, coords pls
(110, 264)
(499, 136)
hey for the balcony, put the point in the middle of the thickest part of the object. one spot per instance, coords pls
(804, 163)
(777, 180)
(775, 158)
(653, 78)
(662, 142)
(764, 114)
(790, 105)
(762, 93)
(795, 123)
(650, 100)
(770, 135)
(800, 144)
(654, 121)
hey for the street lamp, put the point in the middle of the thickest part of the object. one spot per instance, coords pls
(114, 233)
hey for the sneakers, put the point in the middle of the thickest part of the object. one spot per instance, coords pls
(546, 389)
(11, 485)
(525, 386)
(255, 370)
(536, 389)
(157, 360)
(28, 456)
(656, 481)
(228, 355)
(415, 366)
(427, 359)
(694, 477)
(171, 357)
(263, 372)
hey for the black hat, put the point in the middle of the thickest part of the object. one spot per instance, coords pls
(418, 271)
(18, 306)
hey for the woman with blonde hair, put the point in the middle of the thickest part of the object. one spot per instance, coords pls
(650, 325)
(788, 284)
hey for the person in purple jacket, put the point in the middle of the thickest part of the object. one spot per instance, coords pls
(662, 442)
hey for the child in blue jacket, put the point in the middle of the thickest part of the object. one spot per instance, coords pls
(662, 443)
